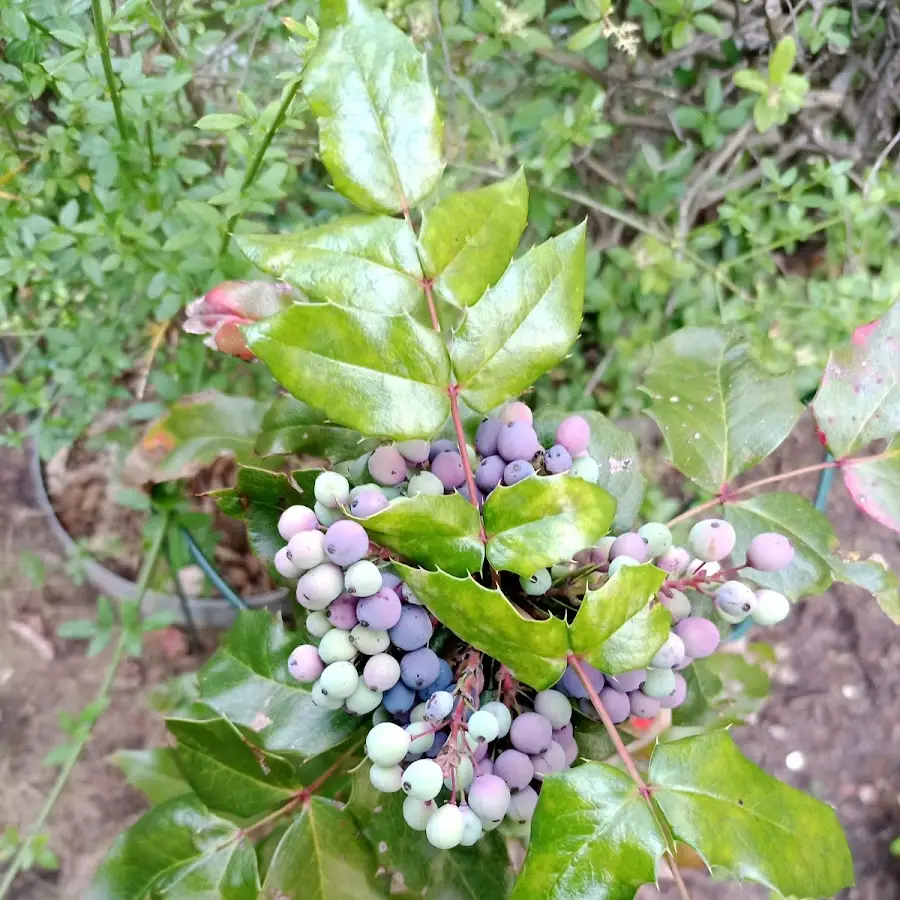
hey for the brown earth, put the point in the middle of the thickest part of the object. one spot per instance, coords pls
(834, 711)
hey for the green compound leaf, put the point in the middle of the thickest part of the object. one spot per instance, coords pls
(875, 486)
(364, 261)
(227, 771)
(544, 519)
(858, 401)
(178, 849)
(247, 681)
(379, 131)
(593, 835)
(620, 627)
(524, 324)
(291, 426)
(533, 650)
(481, 872)
(154, 773)
(814, 540)
(468, 239)
(742, 820)
(718, 411)
(323, 856)
(382, 375)
(431, 531)
(616, 453)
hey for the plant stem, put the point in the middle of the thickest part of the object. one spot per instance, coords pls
(15, 865)
(453, 391)
(257, 161)
(103, 42)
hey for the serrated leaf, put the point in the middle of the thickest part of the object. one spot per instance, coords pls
(364, 261)
(178, 849)
(592, 835)
(814, 540)
(259, 497)
(193, 433)
(468, 239)
(874, 576)
(742, 820)
(723, 689)
(543, 519)
(719, 412)
(247, 681)
(620, 626)
(379, 131)
(533, 650)
(323, 856)
(227, 771)
(481, 872)
(291, 426)
(154, 773)
(858, 401)
(875, 485)
(523, 325)
(382, 375)
(615, 451)
(432, 531)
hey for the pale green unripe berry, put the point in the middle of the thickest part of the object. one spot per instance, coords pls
(422, 736)
(363, 700)
(657, 536)
(445, 828)
(416, 813)
(423, 779)
(326, 515)
(317, 623)
(483, 726)
(472, 828)
(425, 483)
(387, 779)
(320, 586)
(659, 683)
(619, 562)
(553, 706)
(771, 607)
(362, 579)
(340, 679)
(587, 468)
(712, 539)
(370, 640)
(735, 601)
(502, 714)
(387, 744)
(419, 713)
(358, 470)
(332, 490)
(537, 584)
(336, 646)
(465, 775)
(323, 700)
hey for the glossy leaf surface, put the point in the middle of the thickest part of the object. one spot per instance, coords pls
(154, 773)
(875, 486)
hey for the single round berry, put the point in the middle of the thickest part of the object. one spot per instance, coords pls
(734, 601)
(319, 586)
(531, 733)
(367, 503)
(515, 768)
(554, 707)
(370, 640)
(630, 544)
(296, 519)
(620, 562)
(283, 565)
(522, 805)
(415, 452)
(571, 751)
(771, 607)
(699, 567)
(387, 466)
(586, 468)
(483, 727)
(342, 613)
(674, 561)
(418, 668)
(407, 596)
(676, 698)
(363, 579)
(332, 490)
(425, 483)
(616, 704)
(642, 706)
(416, 813)
(517, 440)
(516, 411)
(440, 738)
(472, 827)
(399, 699)
(502, 714)
(387, 744)
(339, 679)
(423, 779)
(770, 552)
(445, 828)
(346, 542)
(489, 797)
(700, 636)
(677, 603)
(486, 436)
(441, 683)
(537, 584)
(448, 467)
(711, 540)
(552, 760)
(489, 473)
(571, 682)
(323, 700)
(657, 536)
(574, 434)
(381, 610)
(306, 550)
(438, 706)
(381, 672)
(627, 681)
(670, 654)
(441, 446)
(565, 735)
(363, 700)
(599, 554)
(413, 630)
(422, 734)
(517, 471)
(304, 664)
(317, 623)
(386, 779)
(658, 683)
(557, 460)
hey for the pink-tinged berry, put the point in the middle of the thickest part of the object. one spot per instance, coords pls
(574, 434)
(770, 552)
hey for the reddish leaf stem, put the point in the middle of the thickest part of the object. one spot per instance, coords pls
(429, 296)
(453, 391)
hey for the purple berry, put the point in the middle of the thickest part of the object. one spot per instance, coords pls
(413, 630)
(630, 544)
(387, 466)
(441, 446)
(574, 434)
(486, 436)
(391, 580)
(368, 503)
(463, 491)
(381, 672)
(557, 460)
(642, 706)
(399, 699)
(489, 797)
(572, 683)
(700, 636)
(489, 473)
(441, 683)
(676, 698)
(627, 681)
(616, 703)
(517, 440)
(416, 452)
(485, 766)
(346, 542)
(553, 759)
(419, 668)
(517, 471)
(380, 610)
(674, 561)
(515, 768)
(448, 466)
(516, 411)
(770, 552)
(531, 733)
(342, 612)
(440, 738)
(711, 540)
(565, 735)
(304, 663)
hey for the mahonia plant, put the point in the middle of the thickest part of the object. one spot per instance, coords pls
(486, 647)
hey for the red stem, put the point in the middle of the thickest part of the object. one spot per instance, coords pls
(429, 296)
(453, 391)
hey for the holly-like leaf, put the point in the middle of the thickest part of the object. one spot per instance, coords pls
(432, 531)
(620, 626)
(364, 261)
(875, 485)
(382, 375)
(814, 540)
(227, 771)
(291, 426)
(534, 650)
(593, 835)
(247, 681)
(616, 453)
(178, 849)
(718, 411)
(541, 520)
(740, 819)
(468, 239)
(874, 575)
(259, 497)
(323, 856)
(379, 131)
(481, 872)
(193, 433)
(722, 689)
(858, 401)
(524, 324)
(154, 773)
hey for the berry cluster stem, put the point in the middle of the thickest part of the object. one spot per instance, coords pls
(453, 391)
